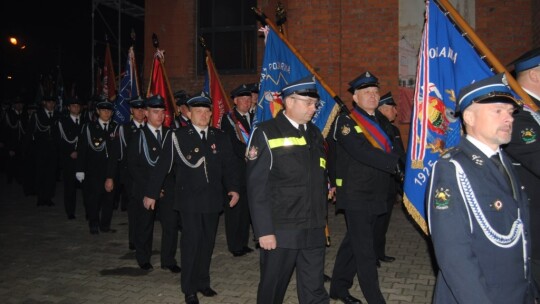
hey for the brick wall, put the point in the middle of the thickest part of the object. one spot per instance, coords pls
(340, 39)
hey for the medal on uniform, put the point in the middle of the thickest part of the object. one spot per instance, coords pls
(345, 130)
(497, 205)
(196, 150)
(252, 153)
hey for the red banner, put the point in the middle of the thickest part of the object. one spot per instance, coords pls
(109, 80)
(220, 104)
(159, 85)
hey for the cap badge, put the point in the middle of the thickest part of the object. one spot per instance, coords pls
(368, 74)
(504, 80)
(528, 135)
(345, 130)
(253, 153)
(442, 199)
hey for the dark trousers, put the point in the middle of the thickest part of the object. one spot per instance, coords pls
(237, 222)
(276, 268)
(99, 204)
(46, 168)
(197, 244)
(143, 225)
(357, 256)
(70, 186)
(14, 168)
(170, 225)
(132, 218)
(381, 228)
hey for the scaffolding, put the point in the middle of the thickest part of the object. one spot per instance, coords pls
(122, 7)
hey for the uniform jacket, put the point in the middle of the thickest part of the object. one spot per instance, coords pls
(95, 149)
(44, 130)
(239, 147)
(14, 128)
(525, 149)
(363, 172)
(142, 155)
(69, 134)
(472, 268)
(287, 183)
(126, 133)
(202, 172)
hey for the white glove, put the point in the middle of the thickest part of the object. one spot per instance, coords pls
(79, 176)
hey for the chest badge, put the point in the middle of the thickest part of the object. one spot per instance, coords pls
(345, 130)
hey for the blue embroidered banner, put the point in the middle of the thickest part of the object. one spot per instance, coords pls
(446, 63)
(129, 88)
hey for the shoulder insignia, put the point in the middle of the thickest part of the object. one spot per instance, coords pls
(528, 135)
(252, 153)
(442, 199)
(497, 205)
(477, 159)
(345, 130)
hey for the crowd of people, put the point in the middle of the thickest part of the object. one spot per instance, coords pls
(276, 179)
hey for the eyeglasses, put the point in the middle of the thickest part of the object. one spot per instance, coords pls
(309, 101)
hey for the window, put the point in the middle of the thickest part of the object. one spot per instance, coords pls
(229, 29)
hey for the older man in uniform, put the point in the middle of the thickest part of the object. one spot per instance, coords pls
(525, 146)
(70, 127)
(237, 125)
(96, 166)
(287, 191)
(201, 158)
(478, 214)
(364, 175)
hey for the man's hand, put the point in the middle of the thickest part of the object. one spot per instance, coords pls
(268, 242)
(109, 184)
(73, 155)
(149, 203)
(79, 176)
(234, 198)
(332, 194)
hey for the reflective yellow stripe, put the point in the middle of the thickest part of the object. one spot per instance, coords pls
(323, 163)
(286, 142)
(358, 130)
(339, 182)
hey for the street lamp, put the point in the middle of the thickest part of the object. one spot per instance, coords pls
(15, 42)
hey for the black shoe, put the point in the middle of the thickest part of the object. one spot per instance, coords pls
(131, 246)
(71, 217)
(208, 292)
(108, 230)
(246, 249)
(192, 299)
(257, 245)
(238, 253)
(173, 268)
(327, 278)
(146, 266)
(387, 259)
(347, 299)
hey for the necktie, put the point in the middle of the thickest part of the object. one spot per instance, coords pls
(203, 136)
(303, 131)
(246, 118)
(496, 159)
(76, 121)
(50, 114)
(158, 136)
(104, 126)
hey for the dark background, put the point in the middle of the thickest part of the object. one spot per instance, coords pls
(58, 36)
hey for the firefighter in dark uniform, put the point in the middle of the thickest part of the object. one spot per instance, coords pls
(364, 175)
(201, 158)
(478, 214)
(70, 127)
(43, 131)
(525, 146)
(388, 107)
(287, 191)
(182, 120)
(143, 152)
(14, 126)
(237, 125)
(126, 133)
(97, 158)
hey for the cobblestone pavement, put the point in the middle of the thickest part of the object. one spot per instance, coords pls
(46, 258)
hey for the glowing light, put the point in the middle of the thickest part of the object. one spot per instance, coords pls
(13, 40)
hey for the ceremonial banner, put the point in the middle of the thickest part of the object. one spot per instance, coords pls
(280, 67)
(129, 88)
(214, 89)
(446, 63)
(59, 90)
(159, 85)
(109, 80)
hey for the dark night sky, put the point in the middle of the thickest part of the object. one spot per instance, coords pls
(58, 33)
